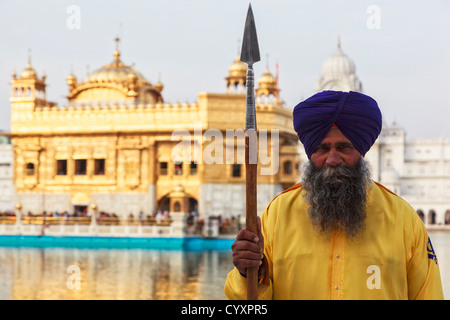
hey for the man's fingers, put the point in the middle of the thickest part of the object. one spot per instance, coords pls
(248, 249)
(258, 226)
(247, 235)
(246, 246)
(250, 255)
(243, 264)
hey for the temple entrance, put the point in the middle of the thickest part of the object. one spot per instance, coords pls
(80, 202)
(178, 201)
(182, 208)
(164, 205)
(80, 210)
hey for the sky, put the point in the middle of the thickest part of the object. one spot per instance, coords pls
(401, 48)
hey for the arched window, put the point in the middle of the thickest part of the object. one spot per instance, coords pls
(193, 171)
(447, 217)
(287, 167)
(236, 170)
(178, 168)
(432, 217)
(421, 215)
(263, 99)
(176, 207)
(29, 169)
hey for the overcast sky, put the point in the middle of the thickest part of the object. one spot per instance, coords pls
(401, 48)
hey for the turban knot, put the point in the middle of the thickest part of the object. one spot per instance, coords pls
(356, 115)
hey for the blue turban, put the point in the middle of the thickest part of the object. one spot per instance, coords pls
(355, 114)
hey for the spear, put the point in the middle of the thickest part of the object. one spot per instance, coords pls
(250, 55)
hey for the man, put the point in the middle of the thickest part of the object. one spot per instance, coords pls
(337, 234)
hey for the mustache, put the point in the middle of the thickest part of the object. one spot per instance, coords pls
(338, 171)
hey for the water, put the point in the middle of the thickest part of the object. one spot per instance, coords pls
(139, 274)
(42, 273)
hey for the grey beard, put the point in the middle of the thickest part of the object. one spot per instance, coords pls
(337, 197)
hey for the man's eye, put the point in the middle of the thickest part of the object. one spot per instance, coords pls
(344, 147)
(322, 148)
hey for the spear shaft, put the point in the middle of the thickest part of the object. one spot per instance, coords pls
(250, 202)
(250, 55)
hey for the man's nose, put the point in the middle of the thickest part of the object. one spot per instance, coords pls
(333, 159)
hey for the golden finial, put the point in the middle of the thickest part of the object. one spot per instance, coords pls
(117, 52)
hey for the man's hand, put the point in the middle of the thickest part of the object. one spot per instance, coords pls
(248, 249)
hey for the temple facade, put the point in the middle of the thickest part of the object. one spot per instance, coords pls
(118, 147)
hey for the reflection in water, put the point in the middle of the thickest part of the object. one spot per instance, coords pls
(41, 273)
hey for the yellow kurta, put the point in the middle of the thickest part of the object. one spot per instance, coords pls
(391, 259)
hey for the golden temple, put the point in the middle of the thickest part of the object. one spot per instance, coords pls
(112, 146)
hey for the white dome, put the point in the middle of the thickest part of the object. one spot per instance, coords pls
(338, 65)
(339, 73)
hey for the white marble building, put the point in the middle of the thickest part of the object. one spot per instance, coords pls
(418, 170)
(7, 189)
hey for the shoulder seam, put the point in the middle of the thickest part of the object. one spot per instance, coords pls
(384, 188)
(295, 186)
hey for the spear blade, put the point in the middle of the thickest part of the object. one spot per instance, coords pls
(250, 47)
(250, 55)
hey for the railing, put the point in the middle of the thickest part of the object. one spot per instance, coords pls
(151, 221)
(176, 225)
(55, 220)
(88, 226)
(7, 219)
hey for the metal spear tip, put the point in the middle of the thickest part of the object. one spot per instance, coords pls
(250, 48)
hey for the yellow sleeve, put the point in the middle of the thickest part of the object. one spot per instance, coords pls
(236, 287)
(424, 279)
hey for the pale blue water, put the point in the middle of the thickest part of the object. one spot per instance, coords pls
(73, 273)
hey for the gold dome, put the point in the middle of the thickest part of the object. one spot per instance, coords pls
(238, 68)
(267, 79)
(116, 71)
(71, 79)
(114, 82)
(28, 73)
(268, 87)
(159, 86)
